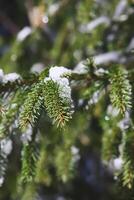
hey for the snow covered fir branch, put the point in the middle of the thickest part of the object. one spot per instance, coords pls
(24, 106)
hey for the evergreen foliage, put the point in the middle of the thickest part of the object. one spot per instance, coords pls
(120, 91)
(12, 111)
(57, 107)
(128, 165)
(42, 168)
(29, 158)
(31, 107)
(90, 101)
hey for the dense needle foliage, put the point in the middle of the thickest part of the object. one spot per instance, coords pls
(66, 99)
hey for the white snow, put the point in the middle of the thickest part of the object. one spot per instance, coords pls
(6, 146)
(37, 68)
(24, 33)
(1, 75)
(115, 164)
(95, 98)
(112, 111)
(60, 198)
(125, 122)
(80, 68)
(11, 77)
(87, 28)
(120, 8)
(131, 45)
(80, 102)
(74, 150)
(1, 180)
(107, 57)
(118, 163)
(75, 154)
(53, 8)
(27, 136)
(57, 75)
(101, 71)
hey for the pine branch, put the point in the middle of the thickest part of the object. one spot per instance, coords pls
(12, 86)
(3, 166)
(42, 169)
(58, 108)
(110, 143)
(128, 159)
(32, 106)
(120, 90)
(30, 192)
(5, 150)
(64, 163)
(29, 158)
(10, 115)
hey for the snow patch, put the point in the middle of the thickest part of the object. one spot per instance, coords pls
(80, 68)
(1, 180)
(75, 154)
(24, 33)
(57, 74)
(6, 146)
(112, 111)
(37, 68)
(118, 163)
(74, 150)
(27, 136)
(53, 9)
(11, 77)
(1, 75)
(100, 72)
(121, 6)
(87, 28)
(115, 164)
(95, 98)
(112, 56)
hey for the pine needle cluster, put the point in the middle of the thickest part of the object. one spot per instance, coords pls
(120, 90)
(58, 108)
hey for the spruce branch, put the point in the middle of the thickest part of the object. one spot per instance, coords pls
(42, 169)
(17, 84)
(64, 163)
(29, 159)
(58, 108)
(3, 165)
(5, 150)
(12, 112)
(30, 192)
(32, 106)
(120, 90)
(110, 144)
(128, 159)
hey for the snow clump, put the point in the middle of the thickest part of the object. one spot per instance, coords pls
(57, 74)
